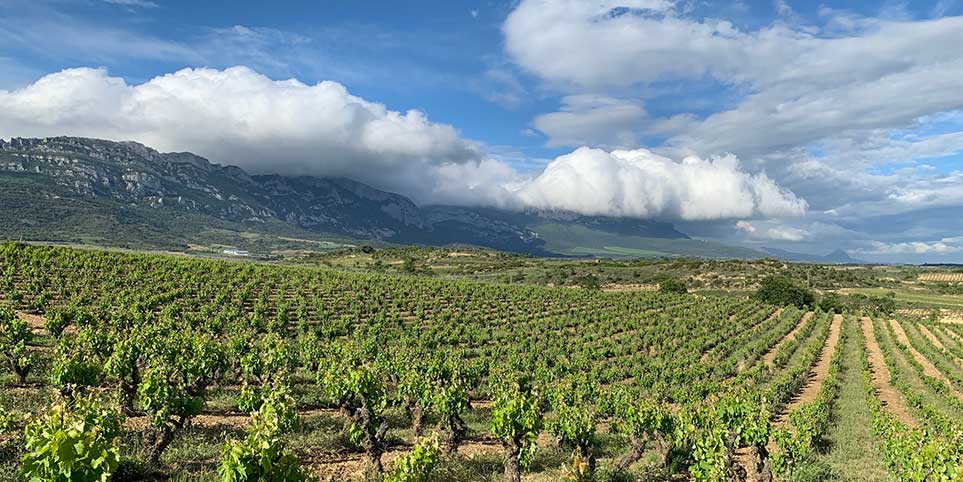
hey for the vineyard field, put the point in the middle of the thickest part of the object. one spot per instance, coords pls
(134, 366)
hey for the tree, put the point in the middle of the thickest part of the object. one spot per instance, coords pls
(588, 281)
(831, 303)
(782, 291)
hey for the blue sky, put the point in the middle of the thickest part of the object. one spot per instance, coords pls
(807, 126)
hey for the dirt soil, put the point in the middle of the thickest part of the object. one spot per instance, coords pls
(929, 369)
(888, 395)
(933, 339)
(818, 372)
(771, 355)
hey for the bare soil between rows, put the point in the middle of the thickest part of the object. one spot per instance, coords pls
(890, 398)
(929, 369)
(771, 354)
(818, 372)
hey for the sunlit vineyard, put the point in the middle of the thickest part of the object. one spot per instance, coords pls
(147, 367)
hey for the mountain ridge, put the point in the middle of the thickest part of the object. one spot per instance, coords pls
(124, 180)
(838, 256)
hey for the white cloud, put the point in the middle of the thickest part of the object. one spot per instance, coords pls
(240, 117)
(771, 232)
(782, 8)
(592, 119)
(915, 247)
(639, 183)
(800, 83)
(31, 29)
(133, 3)
(500, 85)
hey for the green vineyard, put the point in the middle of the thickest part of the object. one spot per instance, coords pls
(147, 367)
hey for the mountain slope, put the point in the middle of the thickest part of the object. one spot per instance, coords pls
(836, 257)
(87, 190)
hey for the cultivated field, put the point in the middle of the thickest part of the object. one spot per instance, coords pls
(185, 369)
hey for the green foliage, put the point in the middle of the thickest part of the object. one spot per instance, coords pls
(262, 456)
(782, 291)
(57, 320)
(265, 365)
(78, 363)
(177, 375)
(673, 286)
(7, 420)
(832, 303)
(716, 431)
(77, 443)
(517, 418)
(574, 418)
(360, 389)
(14, 337)
(417, 465)
(588, 281)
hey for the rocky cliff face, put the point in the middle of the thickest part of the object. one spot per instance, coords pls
(132, 174)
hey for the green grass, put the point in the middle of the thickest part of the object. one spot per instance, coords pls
(578, 240)
(619, 251)
(853, 451)
(922, 299)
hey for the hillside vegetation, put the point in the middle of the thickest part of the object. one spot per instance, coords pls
(176, 368)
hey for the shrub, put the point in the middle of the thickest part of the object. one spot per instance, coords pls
(73, 443)
(262, 456)
(7, 420)
(782, 291)
(15, 335)
(58, 320)
(417, 465)
(673, 286)
(831, 303)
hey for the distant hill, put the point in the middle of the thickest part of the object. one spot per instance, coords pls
(126, 194)
(836, 257)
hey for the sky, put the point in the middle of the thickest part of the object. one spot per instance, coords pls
(805, 126)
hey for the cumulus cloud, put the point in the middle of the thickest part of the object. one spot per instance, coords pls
(773, 233)
(238, 116)
(640, 183)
